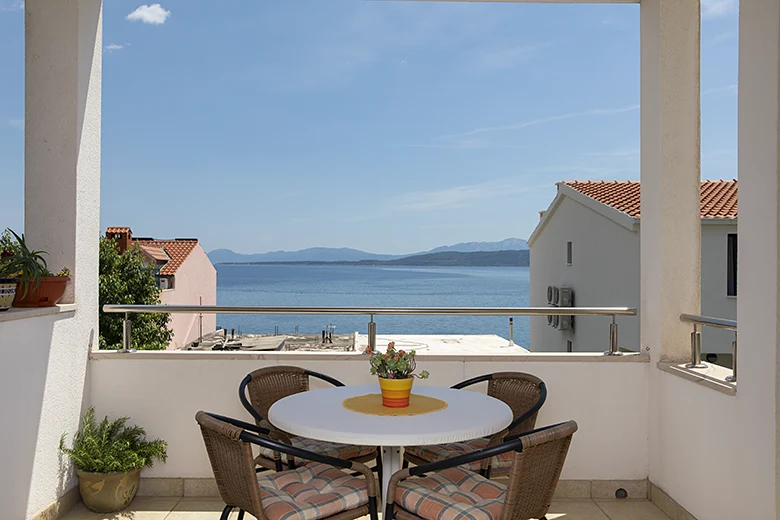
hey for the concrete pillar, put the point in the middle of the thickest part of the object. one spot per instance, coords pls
(63, 74)
(670, 173)
(670, 229)
(758, 304)
(63, 53)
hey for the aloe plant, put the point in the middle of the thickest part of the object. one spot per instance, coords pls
(29, 266)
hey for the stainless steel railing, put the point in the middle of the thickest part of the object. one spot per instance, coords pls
(612, 312)
(718, 323)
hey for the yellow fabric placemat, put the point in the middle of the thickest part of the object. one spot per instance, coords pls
(371, 404)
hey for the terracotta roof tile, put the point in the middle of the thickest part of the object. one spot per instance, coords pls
(178, 250)
(718, 198)
(157, 253)
(115, 229)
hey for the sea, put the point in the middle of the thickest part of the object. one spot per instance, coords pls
(374, 286)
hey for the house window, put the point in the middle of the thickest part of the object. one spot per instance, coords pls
(568, 253)
(731, 282)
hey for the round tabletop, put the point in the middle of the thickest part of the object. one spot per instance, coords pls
(320, 414)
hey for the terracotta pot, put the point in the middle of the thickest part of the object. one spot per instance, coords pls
(7, 292)
(47, 294)
(108, 492)
(396, 392)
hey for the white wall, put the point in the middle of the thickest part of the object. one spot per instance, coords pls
(604, 273)
(43, 371)
(195, 278)
(714, 299)
(608, 400)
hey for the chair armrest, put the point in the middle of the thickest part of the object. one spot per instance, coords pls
(242, 424)
(245, 402)
(294, 451)
(484, 453)
(395, 478)
(472, 381)
(324, 377)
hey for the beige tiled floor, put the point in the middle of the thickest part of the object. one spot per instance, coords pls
(149, 508)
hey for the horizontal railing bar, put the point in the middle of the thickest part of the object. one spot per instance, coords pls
(708, 321)
(471, 311)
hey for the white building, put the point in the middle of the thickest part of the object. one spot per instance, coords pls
(588, 241)
(696, 445)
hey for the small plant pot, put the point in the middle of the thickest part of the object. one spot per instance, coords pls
(48, 293)
(108, 492)
(396, 392)
(7, 293)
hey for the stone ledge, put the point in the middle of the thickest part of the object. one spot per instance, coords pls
(23, 313)
(713, 376)
(336, 356)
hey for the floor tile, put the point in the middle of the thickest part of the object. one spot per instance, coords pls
(631, 510)
(575, 509)
(201, 509)
(142, 508)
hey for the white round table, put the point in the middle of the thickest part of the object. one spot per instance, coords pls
(320, 414)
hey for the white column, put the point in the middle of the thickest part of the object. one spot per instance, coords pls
(670, 224)
(758, 305)
(63, 53)
(63, 72)
(670, 229)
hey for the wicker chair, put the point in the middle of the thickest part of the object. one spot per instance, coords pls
(523, 393)
(444, 490)
(264, 387)
(316, 491)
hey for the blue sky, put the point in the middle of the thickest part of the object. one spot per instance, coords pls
(388, 126)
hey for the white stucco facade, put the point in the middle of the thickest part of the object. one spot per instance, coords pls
(605, 272)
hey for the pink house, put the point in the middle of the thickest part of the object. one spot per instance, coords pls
(186, 276)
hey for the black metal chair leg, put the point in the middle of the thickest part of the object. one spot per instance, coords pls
(405, 464)
(240, 514)
(226, 513)
(379, 467)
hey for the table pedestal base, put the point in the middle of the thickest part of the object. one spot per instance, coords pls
(391, 462)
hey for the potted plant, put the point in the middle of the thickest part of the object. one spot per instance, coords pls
(8, 278)
(395, 369)
(109, 457)
(36, 285)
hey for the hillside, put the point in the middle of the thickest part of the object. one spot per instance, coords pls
(345, 254)
(446, 258)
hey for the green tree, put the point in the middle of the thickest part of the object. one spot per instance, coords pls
(125, 279)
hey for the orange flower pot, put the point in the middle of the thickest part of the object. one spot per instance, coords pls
(396, 392)
(47, 294)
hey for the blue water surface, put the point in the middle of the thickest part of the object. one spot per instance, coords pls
(369, 286)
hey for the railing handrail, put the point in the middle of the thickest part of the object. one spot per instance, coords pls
(709, 321)
(472, 311)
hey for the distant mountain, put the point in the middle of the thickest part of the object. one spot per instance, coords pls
(510, 244)
(445, 258)
(344, 254)
(312, 254)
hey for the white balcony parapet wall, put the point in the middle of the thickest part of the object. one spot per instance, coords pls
(162, 391)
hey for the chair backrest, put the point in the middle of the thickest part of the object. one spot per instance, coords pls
(521, 392)
(536, 470)
(270, 384)
(232, 463)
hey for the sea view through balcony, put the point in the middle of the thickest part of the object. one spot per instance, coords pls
(374, 286)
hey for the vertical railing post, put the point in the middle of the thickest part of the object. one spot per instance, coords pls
(733, 377)
(511, 332)
(614, 349)
(127, 334)
(372, 334)
(696, 349)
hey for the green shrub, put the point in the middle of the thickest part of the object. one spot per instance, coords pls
(111, 446)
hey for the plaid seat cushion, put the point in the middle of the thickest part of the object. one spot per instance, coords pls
(310, 492)
(446, 451)
(452, 494)
(331, 449)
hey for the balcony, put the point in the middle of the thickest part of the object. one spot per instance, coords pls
(646, 422)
